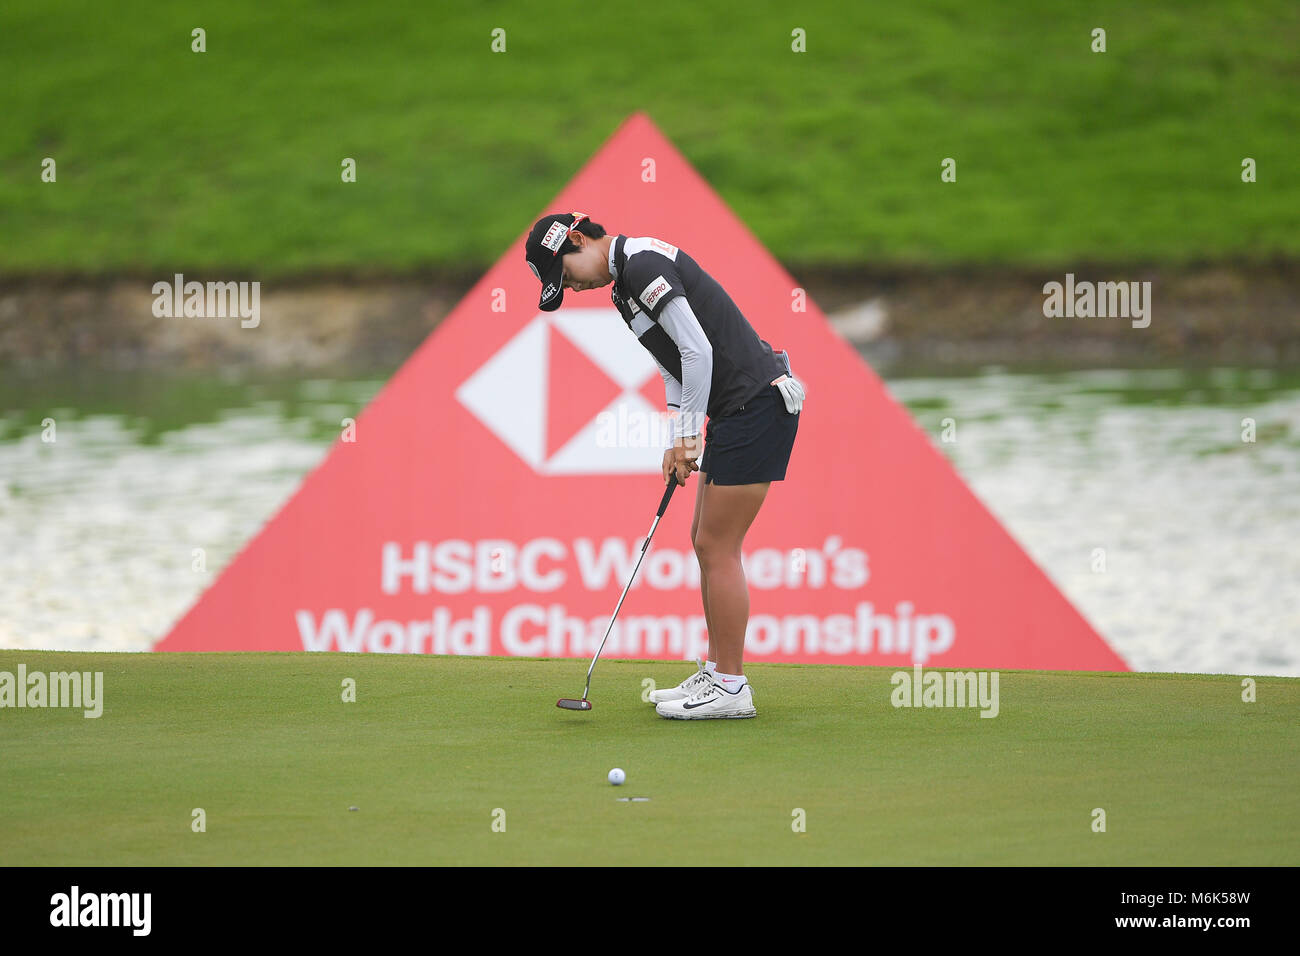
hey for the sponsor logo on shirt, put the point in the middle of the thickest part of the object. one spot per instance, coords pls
(620, 302)
(655, 291)
(667, 248)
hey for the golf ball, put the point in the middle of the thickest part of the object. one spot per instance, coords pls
(617, 776)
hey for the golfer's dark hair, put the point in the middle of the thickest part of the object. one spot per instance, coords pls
(592, 230)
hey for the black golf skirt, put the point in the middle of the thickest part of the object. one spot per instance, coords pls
(753, 444)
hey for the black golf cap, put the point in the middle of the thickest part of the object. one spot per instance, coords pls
(547, 244)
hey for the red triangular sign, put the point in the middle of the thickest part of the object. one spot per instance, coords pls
(498, 487)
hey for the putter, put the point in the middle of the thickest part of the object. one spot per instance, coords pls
(568, 703)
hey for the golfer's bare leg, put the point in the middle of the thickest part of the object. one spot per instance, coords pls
(727, 511)
(704, 582)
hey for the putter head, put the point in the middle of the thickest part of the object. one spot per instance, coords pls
(569, 704)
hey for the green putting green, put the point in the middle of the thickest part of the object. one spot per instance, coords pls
(468, 761)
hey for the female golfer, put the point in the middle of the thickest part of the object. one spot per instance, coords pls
(713, 364)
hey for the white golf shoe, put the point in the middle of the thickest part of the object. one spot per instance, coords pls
(684, 689)
(710, 700)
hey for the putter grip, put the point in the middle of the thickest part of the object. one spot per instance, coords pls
(668, 493)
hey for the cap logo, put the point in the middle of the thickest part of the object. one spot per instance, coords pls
(550, 291)
(555, 236)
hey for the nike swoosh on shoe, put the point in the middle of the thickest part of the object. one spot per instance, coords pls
(700, 704)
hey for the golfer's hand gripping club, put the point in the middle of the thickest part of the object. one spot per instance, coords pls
(682, 458)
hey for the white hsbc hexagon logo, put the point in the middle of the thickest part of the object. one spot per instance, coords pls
(511, 394)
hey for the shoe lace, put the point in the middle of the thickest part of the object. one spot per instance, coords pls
(694, 680)
(705, 688)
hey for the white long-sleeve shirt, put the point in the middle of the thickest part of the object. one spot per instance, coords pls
(691, 395)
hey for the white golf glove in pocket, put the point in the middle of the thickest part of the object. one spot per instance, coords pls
(792, 391)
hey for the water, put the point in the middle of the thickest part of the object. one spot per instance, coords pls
(101, 526)
(1200, 530)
